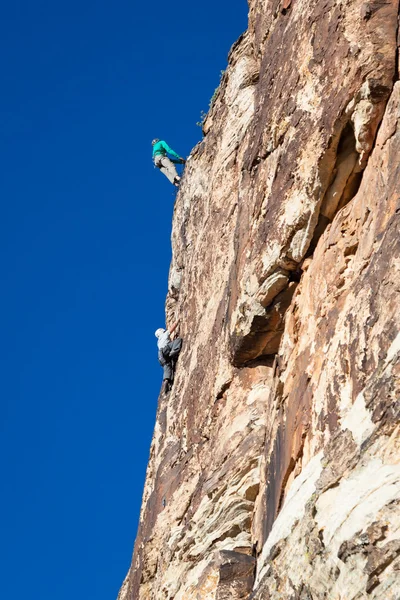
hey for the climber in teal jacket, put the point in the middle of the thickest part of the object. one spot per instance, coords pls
(165, 164)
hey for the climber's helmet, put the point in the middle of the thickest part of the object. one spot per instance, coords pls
(159, 332)
(155, 141)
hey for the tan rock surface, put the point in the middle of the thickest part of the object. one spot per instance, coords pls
(274, 468)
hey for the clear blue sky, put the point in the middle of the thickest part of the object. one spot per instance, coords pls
(85, 247)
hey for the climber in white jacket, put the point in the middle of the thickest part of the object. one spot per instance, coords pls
(168, 352)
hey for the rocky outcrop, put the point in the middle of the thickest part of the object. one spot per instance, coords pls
(274, 468)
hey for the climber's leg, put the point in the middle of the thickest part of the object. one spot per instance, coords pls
(166, 386)
(168, 371)
(175, 348)
(167, 167)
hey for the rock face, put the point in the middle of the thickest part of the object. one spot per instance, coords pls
(274, 468)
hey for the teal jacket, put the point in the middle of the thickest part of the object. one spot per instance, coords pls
(162, 148)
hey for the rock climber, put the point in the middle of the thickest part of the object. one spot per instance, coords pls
(168, 352)
(165, 164)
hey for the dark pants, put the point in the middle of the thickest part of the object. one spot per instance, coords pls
(168, 356)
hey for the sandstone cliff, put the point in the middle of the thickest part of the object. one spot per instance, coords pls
(274, 469)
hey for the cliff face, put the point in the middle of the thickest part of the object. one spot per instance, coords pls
(274, 469)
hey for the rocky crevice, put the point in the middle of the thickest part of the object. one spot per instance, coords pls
(341, 168)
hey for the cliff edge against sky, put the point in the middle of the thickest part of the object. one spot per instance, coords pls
(274, 468)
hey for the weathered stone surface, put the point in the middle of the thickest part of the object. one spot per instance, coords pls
(342, 332)
(274, 467)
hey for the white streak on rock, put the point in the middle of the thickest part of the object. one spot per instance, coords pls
(293, 509)
(358, 420)
(353, 505)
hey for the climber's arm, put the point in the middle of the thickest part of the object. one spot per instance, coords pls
(172, 152)
(172, 329)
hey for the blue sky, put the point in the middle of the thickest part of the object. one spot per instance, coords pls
(85, 248)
